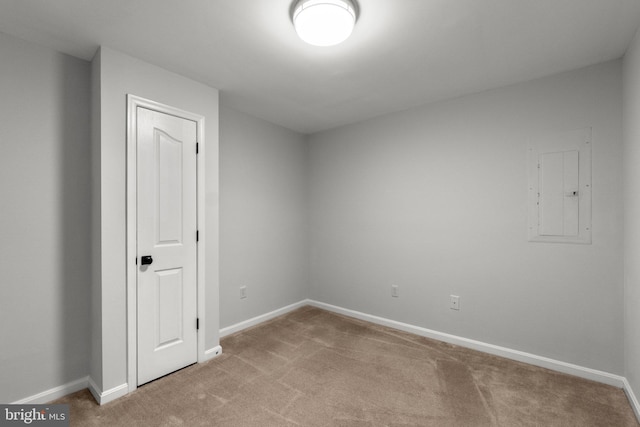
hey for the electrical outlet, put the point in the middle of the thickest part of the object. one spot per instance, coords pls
(395, 292)
(243, 292)
(454, 302)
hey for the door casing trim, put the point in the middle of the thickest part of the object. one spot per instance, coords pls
(133, 102)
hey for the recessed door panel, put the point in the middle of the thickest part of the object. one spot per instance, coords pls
(169, 178)
(169, 307)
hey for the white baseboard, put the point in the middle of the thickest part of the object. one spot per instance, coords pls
(107, 396)
(55, 393)
(262, 318)
(632, 398)
(532, 359)
(211, 353)
(520, 356)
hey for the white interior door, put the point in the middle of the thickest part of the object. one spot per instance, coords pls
(166, 244)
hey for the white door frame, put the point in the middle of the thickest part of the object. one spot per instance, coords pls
(133, 102)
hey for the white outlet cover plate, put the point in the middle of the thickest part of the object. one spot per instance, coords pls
(455, 302)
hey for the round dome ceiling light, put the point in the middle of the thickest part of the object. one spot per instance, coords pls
(324, 22)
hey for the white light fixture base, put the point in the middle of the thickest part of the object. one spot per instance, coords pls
(324, 22)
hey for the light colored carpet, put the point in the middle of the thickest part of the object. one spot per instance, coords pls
(315, 368)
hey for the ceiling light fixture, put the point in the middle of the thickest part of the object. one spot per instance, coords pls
(324, 22)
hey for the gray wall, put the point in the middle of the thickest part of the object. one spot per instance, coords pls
(95, 364)
(120, 75)
(434, 200)
(632, 213)
(263, 216)
(44, 219)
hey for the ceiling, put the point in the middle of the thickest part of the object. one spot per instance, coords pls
(403, 53)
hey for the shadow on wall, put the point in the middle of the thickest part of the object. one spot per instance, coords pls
(74, 252)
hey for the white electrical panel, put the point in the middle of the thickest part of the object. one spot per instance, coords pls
(560, 187)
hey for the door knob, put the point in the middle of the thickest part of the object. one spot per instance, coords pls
(146, 260)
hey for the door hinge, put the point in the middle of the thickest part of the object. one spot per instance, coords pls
(197, 323)
(197, 235)
(136, 260)
(197, 147)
